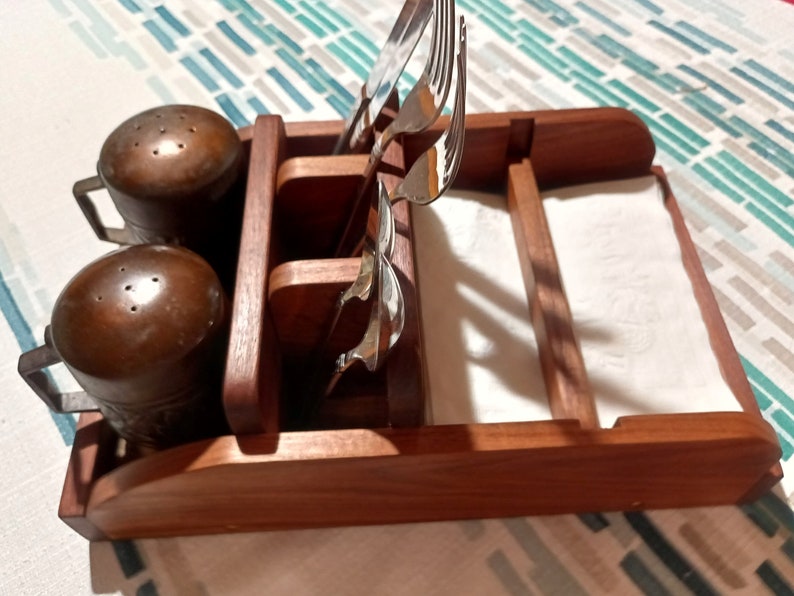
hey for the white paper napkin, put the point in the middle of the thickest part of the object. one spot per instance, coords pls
(643, 340)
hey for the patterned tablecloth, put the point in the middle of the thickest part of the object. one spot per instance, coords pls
(711, 78)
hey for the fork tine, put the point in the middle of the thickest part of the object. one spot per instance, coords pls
(415, 114)
(434, 65)
(435, 39)
(448, 57)
(434, 171)
(422, 106)
(457, 127)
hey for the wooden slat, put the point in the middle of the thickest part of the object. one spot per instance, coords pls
(355, 477)
(580, 146)
(315, 193)
(406, 362)
(252, 380)
(719, 337)
(567, 384)
(92, 455)
(303, 295)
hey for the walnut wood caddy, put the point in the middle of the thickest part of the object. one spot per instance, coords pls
(374, 461)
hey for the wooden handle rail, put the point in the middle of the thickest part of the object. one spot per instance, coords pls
(567, 385)
(359, 476)
(252, 380)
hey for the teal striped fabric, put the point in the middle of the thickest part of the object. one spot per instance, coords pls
(714, 82)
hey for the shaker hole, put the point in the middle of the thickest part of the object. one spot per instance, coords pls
(181, 145)
(192, 129)
(155, 279)
(156, 152)
(133, 308)
(127, 288)
(122, 268)
(99, 298)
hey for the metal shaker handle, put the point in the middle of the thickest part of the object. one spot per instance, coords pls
(80, 191)
(31, 367)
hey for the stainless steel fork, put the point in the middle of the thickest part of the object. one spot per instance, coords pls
(429, 177)
(421, 107)
(434, 171)
(426, 100)
(384, 74)
(387, 317)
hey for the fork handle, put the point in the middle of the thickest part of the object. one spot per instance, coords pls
(343, 142)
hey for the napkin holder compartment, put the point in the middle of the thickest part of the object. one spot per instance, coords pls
(380, 463)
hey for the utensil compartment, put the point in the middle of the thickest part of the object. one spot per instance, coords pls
(295, 212)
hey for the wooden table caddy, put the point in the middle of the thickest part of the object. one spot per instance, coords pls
(374, 461)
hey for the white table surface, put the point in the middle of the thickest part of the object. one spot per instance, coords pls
(712, 78)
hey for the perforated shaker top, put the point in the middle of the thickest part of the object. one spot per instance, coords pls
(137, 308)
(173, 152)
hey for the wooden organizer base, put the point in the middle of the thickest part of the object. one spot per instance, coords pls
(376, 462)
